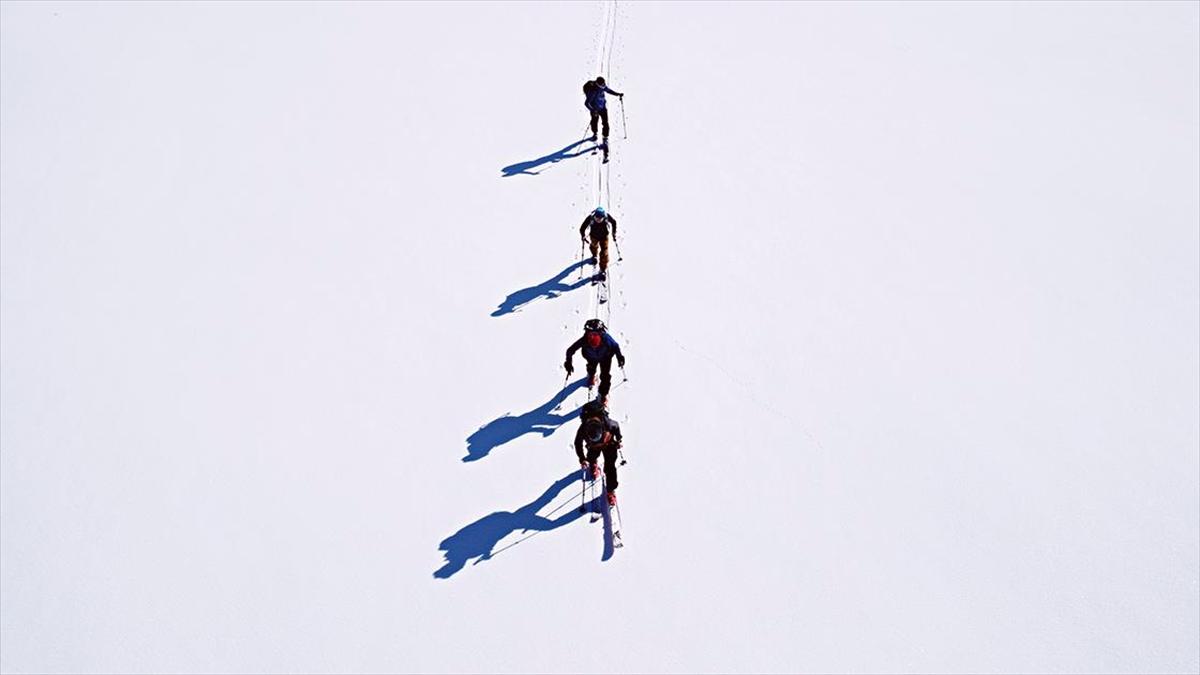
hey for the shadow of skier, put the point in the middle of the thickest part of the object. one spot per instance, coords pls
(552, 158)
(549, 289)
(478, 539)
(541, 420)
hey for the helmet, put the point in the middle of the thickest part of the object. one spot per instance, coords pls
(599, 212)
(594, 324)
(600, 80)
(593, 431)
(593, 339)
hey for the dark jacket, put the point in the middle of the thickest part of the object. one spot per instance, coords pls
(599, 230)
(608, 348)
(613, 435)
(594, 95)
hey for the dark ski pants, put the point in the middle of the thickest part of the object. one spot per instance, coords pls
(601, 114)
(599, 249)
(605, 374)
(610, 462)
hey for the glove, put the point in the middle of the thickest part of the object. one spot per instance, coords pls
(569, 367)
(621, 361)
(620, 95)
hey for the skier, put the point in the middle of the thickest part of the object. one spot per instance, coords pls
(598, 221)
(602, 435)
(593, 92)
(599, 348)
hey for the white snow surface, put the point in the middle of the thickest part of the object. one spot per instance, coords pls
(910, 298)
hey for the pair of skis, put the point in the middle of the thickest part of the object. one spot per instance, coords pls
(601, 147)
(606, 509)
(601, 279)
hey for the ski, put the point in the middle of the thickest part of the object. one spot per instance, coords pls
(617, 543)
(612, 527)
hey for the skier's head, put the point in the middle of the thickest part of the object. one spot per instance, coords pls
(594, 324)
(599, 213)
(593, 339)
(600, 80)
(593, 431)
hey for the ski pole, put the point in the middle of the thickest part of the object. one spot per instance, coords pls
(618, 245)
(624, 125)
(624, 375)
(583, 490)
(622, 454)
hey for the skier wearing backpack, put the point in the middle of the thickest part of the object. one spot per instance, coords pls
(599, 348)
(593, 92)
(596, 226)
(602, 435)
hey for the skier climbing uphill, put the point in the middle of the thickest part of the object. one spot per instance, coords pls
(602, 435)
(595, 227)
(593, 92)
(599, 348)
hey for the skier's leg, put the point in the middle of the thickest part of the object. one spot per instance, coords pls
(592, 455)
(591, 373)
(603, 254)
(610, 466)
(594, 246)
(595, 117)
(604, 116)
(605, 376)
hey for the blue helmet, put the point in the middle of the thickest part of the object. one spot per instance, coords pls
(599, 212)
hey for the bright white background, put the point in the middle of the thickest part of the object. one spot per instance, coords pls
(911, 300)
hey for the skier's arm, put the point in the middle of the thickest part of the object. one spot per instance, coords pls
(575, 346)
(614, 93)
(615, 429)
(617, 351)
(583, 227)
(613, 221)
(579, 444)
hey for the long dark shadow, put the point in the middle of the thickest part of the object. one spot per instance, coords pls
(479, 539)
(549, 289)
(552, 158)
(541, 420)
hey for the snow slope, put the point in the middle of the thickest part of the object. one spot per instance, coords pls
(910, 297)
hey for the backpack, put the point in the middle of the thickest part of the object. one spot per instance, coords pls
(595, 424)
(599, 230)
(593, 410)
(590, 91)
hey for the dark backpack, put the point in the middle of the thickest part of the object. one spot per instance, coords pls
(593, 410)
(595, 430)
(590, 91)
(599, 230)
